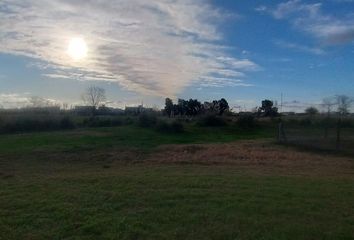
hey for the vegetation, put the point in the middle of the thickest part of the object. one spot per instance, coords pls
(193, 107)
(246, 122)
(267, 109)
(103, 184)
(311, 111)
(193, 172)
(211, 121)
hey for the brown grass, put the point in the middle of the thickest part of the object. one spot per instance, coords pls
(255, 155)
(261, 157)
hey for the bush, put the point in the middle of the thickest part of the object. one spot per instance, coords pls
(246, 121)
(102, 122)
(30, 125)
(67, 123)
(174, 127)
(348, 123)
(147, 120)
(211, 121)
(128, 121)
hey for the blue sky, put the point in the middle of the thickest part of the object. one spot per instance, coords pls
(141, 50)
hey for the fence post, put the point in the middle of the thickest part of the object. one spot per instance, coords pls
(281, 132)
(338, 134)
(326, 128)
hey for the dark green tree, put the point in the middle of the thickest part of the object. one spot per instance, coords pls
(194, 107)
(223, 106)
(182, 107)
(267, 109)
(311, 111)
(168, 106)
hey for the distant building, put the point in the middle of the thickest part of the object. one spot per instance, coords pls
(103, 110)
(137, 110)
(84, 110)
(288, 113)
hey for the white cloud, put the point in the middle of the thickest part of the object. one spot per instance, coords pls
(299, 47)
(151, 47)
(309, 17)
(222, 82)
(261, 8)
(13, 100)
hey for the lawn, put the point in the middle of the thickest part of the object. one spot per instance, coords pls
(124, 136)
(119, 183)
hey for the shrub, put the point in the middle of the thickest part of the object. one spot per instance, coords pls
(174, 127)
(246, 121)
(177, 127)
(116, 122)
(30, 125)
(102, 122)
(128, 121)
(147, 120)
(306, 122)
(349, 123)
(211, 121)
(67, 123)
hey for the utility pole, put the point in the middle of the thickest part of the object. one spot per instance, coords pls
(281, 103)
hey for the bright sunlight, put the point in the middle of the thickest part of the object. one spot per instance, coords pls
(77, 48)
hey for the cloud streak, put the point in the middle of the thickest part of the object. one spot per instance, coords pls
(299, 47)
(309, 18)
(151, 47)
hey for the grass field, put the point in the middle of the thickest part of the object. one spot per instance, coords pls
(122, 183)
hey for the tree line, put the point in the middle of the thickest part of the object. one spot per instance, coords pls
(193, 107)
(95, 97)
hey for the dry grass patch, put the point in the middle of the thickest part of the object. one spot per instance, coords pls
(255, 155)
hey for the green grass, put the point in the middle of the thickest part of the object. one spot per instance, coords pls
(55, 195)
(172, 202)
(125, 136)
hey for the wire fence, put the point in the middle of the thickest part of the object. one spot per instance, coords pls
(334, 135)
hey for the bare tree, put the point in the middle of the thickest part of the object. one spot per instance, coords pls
(343, 102)
(328, 103)
(94, 96)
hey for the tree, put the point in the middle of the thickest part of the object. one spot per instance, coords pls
(194, 107)
(168, 107)
(343, 103)
(223, 106)
(328, 103)
(182, 107)
(267, 109)
(218, 107)
(311, 111)
(94, 96)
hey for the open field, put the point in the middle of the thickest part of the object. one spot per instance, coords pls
(124, 183)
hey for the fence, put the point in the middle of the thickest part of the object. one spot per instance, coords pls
(331, 135)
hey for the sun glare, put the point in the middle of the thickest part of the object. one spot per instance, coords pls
(77, 48)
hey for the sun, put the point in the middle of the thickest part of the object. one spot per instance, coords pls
(77, 48)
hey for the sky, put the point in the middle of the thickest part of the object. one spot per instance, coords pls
(143, 51)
